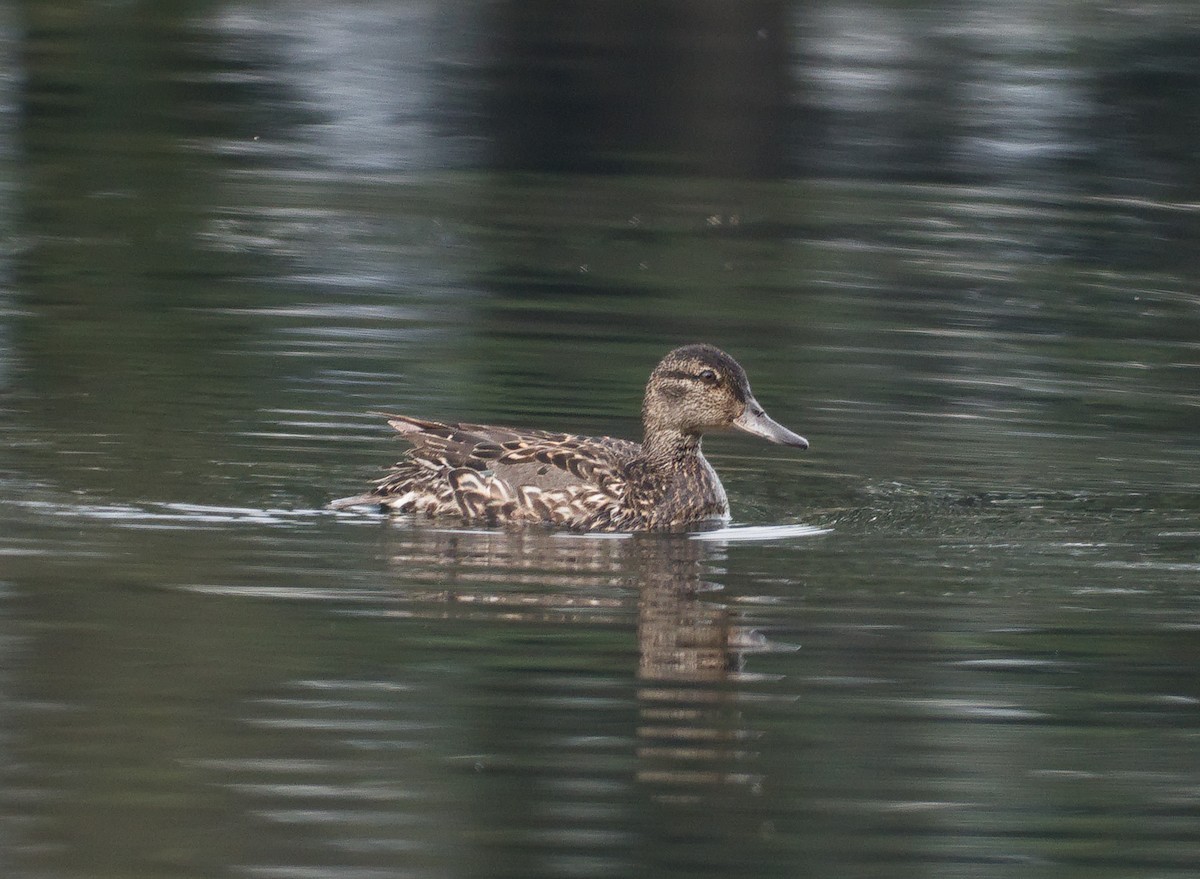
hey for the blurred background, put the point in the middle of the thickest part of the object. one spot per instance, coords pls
(955, 244)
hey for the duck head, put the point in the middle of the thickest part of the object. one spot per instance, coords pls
(697, 389)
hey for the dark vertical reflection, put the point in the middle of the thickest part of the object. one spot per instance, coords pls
(676, 87)
(1146, 149)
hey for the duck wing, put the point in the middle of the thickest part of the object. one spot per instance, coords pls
(518, 455)
(493, 474)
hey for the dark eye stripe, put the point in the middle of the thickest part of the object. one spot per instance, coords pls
(680, 374)
(733, 386)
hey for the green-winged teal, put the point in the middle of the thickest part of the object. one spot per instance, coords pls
(501, 475)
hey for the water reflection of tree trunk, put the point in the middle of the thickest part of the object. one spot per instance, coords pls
(700, 86)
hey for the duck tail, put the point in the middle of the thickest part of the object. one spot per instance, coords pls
(358, 500)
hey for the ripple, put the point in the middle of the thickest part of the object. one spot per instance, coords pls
(969, 709)
(755, 533)
(171, 514)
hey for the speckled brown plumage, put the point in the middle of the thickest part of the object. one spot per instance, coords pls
(500, 475)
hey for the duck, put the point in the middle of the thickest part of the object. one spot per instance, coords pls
(502, 476)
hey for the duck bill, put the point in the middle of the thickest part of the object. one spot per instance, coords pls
(754, 420)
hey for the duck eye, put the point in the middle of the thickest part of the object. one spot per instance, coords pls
(707, 376)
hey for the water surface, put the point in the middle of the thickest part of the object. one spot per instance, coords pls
(953, 246)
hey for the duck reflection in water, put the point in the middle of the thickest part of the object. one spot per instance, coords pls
(512, 476)
(691, 647)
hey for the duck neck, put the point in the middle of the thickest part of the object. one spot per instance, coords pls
(669, 447)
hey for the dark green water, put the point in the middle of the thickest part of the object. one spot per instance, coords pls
(955, 246)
